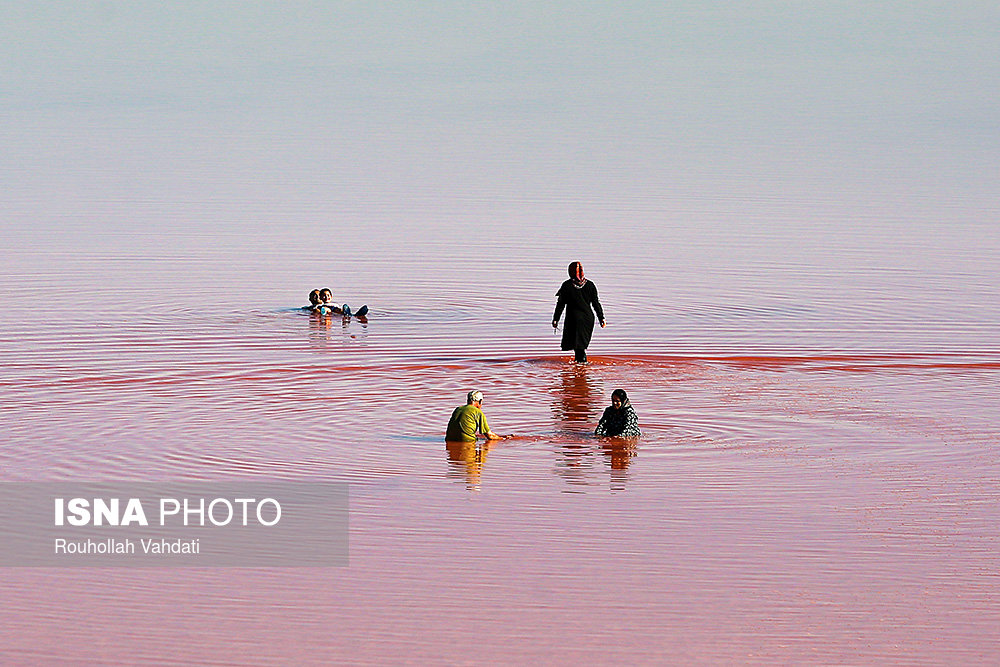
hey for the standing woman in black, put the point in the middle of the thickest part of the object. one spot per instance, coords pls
(579, 297)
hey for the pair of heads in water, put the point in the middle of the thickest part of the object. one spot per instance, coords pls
(320, 297)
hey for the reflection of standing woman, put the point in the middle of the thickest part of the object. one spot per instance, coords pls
(577, 295)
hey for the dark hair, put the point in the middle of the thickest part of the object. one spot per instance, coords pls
(325, 291)
(619, 394)
(314, 297)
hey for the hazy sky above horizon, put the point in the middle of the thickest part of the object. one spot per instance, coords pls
(364, 101)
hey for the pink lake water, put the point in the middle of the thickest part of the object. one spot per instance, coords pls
(790, 212)
(816, 480)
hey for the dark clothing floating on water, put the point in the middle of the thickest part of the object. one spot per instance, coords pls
(580, 304)
(621, 422)
(327, 309)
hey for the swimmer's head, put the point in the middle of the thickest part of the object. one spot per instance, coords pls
(325, 295)
(475, 396)
(314, 297)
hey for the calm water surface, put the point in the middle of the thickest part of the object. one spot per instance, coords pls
(816, 479)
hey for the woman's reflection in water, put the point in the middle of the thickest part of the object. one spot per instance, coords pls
(619, 453)
(574, 410)
(576, 399)
(466, 459)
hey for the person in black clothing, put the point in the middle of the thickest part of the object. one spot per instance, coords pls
(619, 420)
(578, 296)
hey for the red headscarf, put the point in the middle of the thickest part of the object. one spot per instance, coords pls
(576, 274)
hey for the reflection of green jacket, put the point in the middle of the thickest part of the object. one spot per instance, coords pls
(466, 421)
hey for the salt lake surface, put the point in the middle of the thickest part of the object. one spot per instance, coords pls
(803, 307)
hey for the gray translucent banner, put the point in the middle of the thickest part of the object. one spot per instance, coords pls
(173, 524)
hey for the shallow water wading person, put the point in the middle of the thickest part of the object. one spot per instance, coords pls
(579, 297)
(468, 420)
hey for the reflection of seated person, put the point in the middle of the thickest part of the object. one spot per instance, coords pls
(467, 458)
(619, 419)
(619, 452)
(468, 420)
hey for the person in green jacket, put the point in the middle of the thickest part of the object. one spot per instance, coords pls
(468, 420)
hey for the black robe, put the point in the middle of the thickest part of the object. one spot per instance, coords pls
(621, 422)
(579, 325)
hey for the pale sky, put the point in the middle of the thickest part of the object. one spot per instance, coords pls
(482, 97)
